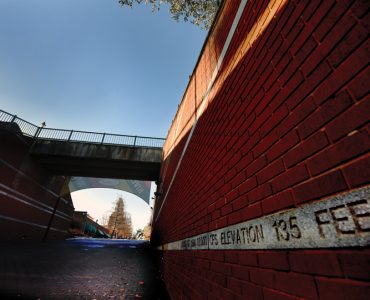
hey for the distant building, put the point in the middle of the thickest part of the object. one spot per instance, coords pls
(84, 225)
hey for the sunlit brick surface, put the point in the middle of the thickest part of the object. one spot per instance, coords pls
(284, 124)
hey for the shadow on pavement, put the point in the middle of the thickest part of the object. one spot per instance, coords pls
(80, 268)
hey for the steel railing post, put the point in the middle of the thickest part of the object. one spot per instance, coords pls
(70, 135)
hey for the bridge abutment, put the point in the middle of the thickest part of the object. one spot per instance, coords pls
(29, 193)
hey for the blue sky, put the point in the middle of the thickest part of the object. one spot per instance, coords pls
(96, 66)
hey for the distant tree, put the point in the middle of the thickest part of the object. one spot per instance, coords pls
(119, 223)
(198, 12)
(147, 232)
(105, 219)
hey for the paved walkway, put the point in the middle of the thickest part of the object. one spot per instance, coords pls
(78, 269)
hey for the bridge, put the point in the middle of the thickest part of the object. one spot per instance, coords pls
(90, 154)
(264, 189)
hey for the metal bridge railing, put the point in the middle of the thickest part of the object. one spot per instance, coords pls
(43, 133)
(27, 128)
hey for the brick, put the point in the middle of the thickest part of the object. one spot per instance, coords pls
(360, 8)
(350, 42)
(218, 278)
(356, 264)
(319, 187)
(295, 85)
(240, 202)
(317, 78)
(247, 121)
(306, 49)
(295, 31)
(313, 61)
(230, 175)
(274, 120)
(277, 260)
(264, 277)
(312, 17)
(277, 202)
(251, 212)
(353, 118)
(358, 87)
(225, 210)
(260, 193)
(315, 262)
(313, 11)
(216, 214)
(231, 195)
(248, 185)
(345, 72)
(240, 272)
(234, 218)
(256, 165)
(252, 141)
(293, 18)
(296, 116)
(290, 177)
(272, 88)
(333, 19)
(260, 120)
(252, 291)
(342, 289)
(220, 202)
(270, 171)
(281, 60)
(288, 72)
(244, 162)
(203, 263)
(265, 75)
(238, 179)
(232, 256)
(310, 146)
(358, 172)
(222, 268)
(297, 285)
(216, 255)
(325, 113)
(276, 295)
(235, 285)
(340, 152)
(285, 143)
(247, 258)
(329, 43)
(266, 143)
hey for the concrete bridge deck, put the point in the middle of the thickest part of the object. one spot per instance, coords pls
(89, 154)
(98, 160)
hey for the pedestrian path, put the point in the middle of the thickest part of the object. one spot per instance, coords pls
(79, 269)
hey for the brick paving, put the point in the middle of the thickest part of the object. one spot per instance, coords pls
(78, 269)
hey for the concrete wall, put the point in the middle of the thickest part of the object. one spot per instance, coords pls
(28, 194)
(275, 117)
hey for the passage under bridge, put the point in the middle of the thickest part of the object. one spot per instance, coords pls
(90, 154)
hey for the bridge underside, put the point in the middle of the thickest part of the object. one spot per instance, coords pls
(98, 160)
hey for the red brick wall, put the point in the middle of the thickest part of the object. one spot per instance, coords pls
(28, 194)
(285, 123)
